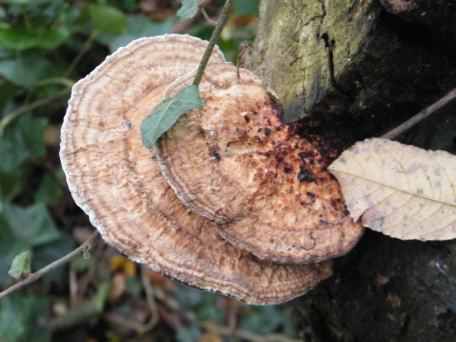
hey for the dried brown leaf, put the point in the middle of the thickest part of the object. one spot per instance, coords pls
(400, 190)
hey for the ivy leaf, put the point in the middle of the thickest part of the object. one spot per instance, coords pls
(50, 190)
(21, 265)
(22, 38)
(166, 114)
(22, 140)
(107, 19)
(23, 229)
(25, 71)
(20, 317)
(188, 9)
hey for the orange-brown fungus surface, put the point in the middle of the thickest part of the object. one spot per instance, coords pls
(237, 164)
(117, 181)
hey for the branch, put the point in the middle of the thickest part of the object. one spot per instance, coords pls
(59, 262)
(425, 113)
(214, 38)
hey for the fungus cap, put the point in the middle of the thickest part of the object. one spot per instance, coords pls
(236, 162)
(117, 181)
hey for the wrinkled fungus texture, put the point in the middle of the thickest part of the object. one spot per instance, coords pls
(117, 181)
(236, 162)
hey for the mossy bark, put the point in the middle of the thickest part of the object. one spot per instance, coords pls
(346, 57)
(351, 61)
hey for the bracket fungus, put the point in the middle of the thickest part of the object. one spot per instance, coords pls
(236, 163)
(118, 183)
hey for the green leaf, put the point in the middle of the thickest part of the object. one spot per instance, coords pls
(33, 224)
(188, 9)
(22, 229)
(25, 71)
(22, 140)
(22, 38)
(45, 254)
(21, 265)
(137, 26)
(263, 320)
(246, 8)
(17, 2)
(50, 190)
(11, 183)
(166, 114)
(188, 334)
(107, 19)
(21, 318)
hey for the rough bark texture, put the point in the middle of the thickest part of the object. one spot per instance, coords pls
(387, 66)
(347, 56)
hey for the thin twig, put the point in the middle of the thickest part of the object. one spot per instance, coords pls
(150, 296)
(214, 38)
(208, 19)
(53, 265)
(8, 118)
(85, 47)
(425, 113)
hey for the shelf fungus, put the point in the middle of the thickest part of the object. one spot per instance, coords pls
(236, 163)
(118, 182)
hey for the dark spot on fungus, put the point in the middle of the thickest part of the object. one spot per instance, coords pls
(214, 154)
(288, 168)
(305, 175)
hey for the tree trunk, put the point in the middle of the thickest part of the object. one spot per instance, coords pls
(350, 57)
(355, 63)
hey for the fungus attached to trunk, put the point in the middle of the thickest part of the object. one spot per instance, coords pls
(117, 181)
(236, 163)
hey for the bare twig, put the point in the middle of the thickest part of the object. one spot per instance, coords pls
(223, 18)
(208, 19)
(425, 113)
(85, 47)
(62, 261)
(150, 296)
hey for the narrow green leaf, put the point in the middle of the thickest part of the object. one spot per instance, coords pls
(21, 265)
(166, 114)
(188, 9)
(107, 19)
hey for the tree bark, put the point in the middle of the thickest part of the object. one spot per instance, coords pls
(354, 62)
(348, 57)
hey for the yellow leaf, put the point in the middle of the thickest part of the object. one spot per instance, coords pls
(399, 190)
(120, 263)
